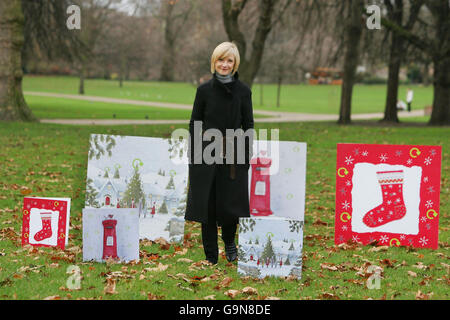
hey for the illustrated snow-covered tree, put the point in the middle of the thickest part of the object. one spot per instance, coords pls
(242, 255)
(106, 175)
(91, 194)
(116, 173)
(171, 184)
(135, 191)
(291, 248)
(287, 262)
(268, 252)
(163, 208)
(181, 209)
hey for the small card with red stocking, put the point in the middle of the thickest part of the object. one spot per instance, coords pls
(388, 194)
(45, 221)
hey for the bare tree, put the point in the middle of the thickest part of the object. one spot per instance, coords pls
(395, 12)
(24, 23)
(435, 43)
(267, 14)
(174, 15)
(353, 10)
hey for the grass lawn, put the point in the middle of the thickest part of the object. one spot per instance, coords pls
(60, 108)
(294, 98)
(51, 161)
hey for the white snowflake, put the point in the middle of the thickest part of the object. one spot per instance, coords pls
(402, 237)
(380, 220)
(424, 219)
(427, 161)
(389, 202)
(355, 238)
(349, 160)
(409, 161)
(348, 183)
(423, 241)
(345, 205)
(425, 179)
(384, 239)
(429, 204)
(365, 153)
(383, 157)
(344, 228)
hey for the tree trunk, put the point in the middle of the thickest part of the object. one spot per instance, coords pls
(81, 84)
(353, 37)
(441, 102)
(279, 91)
(12, 103)
(395, 61)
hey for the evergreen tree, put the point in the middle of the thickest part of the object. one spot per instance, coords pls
(268, 252)
(116, 174)
(171, 184)
(91, 194)
(181, 209)
(135, 190)
(163, 208)
(287, 262)
(106, 174)
(241, 255)
(291, 248)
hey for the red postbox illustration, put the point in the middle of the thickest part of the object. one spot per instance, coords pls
(109, 238)
(260, 187)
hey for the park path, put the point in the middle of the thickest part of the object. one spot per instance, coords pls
(271, 116)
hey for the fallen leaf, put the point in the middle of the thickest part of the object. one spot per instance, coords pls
(225, 282)
(110, 287)
(184, 260)
(53, 298)
(211, 297)
(232, 293)
(249, 291)
(159, 267)
(412, 274)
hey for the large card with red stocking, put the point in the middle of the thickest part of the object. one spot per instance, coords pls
(388, 194)
(45, 222)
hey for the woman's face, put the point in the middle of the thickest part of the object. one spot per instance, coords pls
(224, 65)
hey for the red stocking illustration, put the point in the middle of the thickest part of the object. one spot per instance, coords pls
(393, 206)
(46, 231)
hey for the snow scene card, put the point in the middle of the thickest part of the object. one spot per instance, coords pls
(270, 246)
(149, 174)
(277, 178)
(46, 221)
(388, 194)
(110, 233)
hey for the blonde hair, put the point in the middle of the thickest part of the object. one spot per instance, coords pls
(224, 50)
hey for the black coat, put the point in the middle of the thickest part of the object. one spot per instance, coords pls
(220, 106)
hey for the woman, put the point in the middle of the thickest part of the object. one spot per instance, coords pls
(218, 193)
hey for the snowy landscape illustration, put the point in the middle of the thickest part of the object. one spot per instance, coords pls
(270, 247)
(149, 174)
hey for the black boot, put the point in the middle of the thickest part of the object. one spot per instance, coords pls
(231, 252)
(228, 235)
(209, 239)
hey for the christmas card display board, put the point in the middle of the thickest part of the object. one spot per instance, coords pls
(270, 246)
(388, 194)
(45, 222)
(277, 178)
(149, 174)
(110, 234)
